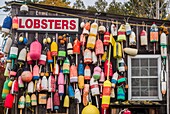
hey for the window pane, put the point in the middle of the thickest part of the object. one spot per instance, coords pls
(135, 72)
(135, 92)
(135, 82)
(135, 62)
(153, 91)
(153, 62)
(144, 62)
(153, 82)
(153, 72)
(144, 91)
(144, 71)
(144, 82)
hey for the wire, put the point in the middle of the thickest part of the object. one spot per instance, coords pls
(83, 17)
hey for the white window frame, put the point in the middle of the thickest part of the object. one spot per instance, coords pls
(159, 98)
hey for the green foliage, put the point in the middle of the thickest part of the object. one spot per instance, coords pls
(101, 5)
(92, 8)
(60, 3)
(79, 5)
(115, 8)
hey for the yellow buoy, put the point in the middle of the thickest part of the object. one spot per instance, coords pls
(90, 109)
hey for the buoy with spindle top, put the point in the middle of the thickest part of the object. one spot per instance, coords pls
(117, 53)
(163, 80)
(54, 49)
(69, 47)
(106, 95)
(81, 75)
(28, 101)
(85, 94)
(73, 74)
(78, 98)
(96, 73)
(7, 24)
(154, 35)
(66, 104)
(44, 84)
(36, 75)
(8, 102)
(101, 80)
(71, 92)
(121, 65)
(132, 39)
(101, 29)
(94, 58)
(56, 102)
(106, 68)
(6, 72)
(61, 52)
(61, 78)
(43, 58)
(14, 88)
(104, 56)
(113, 29)
(86, 29)
(106, 38)
(87, 73)
(29, 60)
(128, 28)
(35, 50)
(94, 28)
(49, 59)
(143, 38)
(33, 100)
(114, 79)
(13, 52)
(121, 33)
(24, 8)
(76, 48)
(15, 22)
(91, 42)
(99, 49)
(22, 57)
(82, 41)
(7, 45)
(94, 89)
(6, 89)
(21, 103)
(20, 82)
(30, 87)
(51, 88)
(87, 56)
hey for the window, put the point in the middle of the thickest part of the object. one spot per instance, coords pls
(144, 79)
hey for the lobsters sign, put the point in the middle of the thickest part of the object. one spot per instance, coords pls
(48, 24)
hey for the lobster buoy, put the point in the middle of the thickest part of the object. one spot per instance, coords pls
(26, 76)
(35, 50)
(102, 29)
(93, 29)
(7, 24)
(90, 109)
(130, 51)
(82, 24)
(24, 8)
(15, 22)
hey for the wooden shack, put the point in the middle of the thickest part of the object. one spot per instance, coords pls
(143, 70)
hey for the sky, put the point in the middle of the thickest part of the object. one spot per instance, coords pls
(86, 2)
